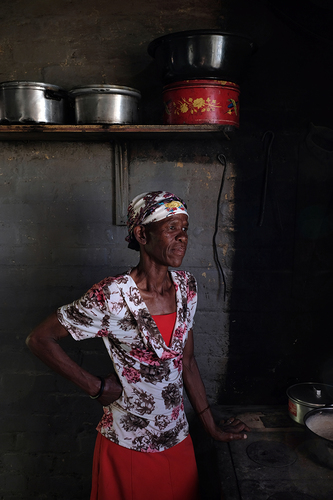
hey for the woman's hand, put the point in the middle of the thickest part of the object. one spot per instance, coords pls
(112, 390)
(230, 430)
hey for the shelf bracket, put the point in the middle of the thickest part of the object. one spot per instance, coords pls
(121, 181)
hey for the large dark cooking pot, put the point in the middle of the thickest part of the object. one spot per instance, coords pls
(33, 102)
(201, 54)
(319, 425)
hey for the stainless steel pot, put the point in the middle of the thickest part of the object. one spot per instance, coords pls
(199, 54)
(106, 104)
(33, 102)
(319, 425)
(302, 398)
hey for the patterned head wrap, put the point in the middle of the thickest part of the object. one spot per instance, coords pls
(152, 207)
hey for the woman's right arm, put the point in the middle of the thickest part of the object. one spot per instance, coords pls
(43, 341)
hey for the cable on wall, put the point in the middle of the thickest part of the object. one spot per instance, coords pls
(222, 159)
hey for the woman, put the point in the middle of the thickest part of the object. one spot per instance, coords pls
(145, 317)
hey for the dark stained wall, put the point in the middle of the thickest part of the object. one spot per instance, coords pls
(58, 232)
(282, 267)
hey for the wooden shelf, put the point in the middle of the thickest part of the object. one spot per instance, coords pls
(37, 132)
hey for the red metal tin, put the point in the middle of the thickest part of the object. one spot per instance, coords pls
(201, 101)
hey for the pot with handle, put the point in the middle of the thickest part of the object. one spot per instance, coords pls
(23, 102)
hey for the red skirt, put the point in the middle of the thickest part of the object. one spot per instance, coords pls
(123, 474)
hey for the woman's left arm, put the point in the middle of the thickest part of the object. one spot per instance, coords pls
(234, 428)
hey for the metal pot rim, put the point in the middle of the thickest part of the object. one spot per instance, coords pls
(311, 404)
(17, 84)
(105, 89)
(191, 34)
(201, 83)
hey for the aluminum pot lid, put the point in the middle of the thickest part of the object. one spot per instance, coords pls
(105, 89)
(33, 85)
(311, 394)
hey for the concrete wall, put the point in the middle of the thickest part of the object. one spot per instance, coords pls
(57, 215)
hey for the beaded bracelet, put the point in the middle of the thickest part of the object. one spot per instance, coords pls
(203, 411)
(100, 392)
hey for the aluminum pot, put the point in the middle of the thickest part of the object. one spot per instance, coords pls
(319, 426)
(304, 397)
(106, 104)
(201, 102)
(33, 102)
(201, 54)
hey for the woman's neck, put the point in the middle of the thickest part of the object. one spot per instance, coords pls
(156, 288)
(151, 278)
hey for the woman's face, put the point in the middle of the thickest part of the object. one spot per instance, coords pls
(166, 240)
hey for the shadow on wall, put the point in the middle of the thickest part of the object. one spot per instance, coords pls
(282, 272)
(280, 300)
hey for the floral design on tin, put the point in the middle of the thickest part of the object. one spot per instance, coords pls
(194, 105)
(232, 107)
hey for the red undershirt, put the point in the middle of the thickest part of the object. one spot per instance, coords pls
(165, 323)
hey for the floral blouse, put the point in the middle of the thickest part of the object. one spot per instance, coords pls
(149, 415)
